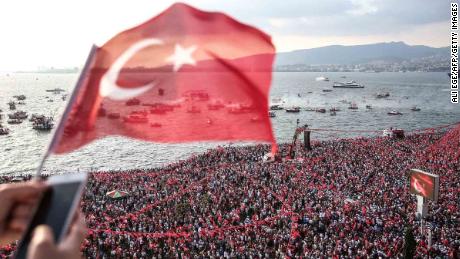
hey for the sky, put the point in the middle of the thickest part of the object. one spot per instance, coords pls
(59, 33)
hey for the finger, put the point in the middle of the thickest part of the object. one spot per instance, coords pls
(42, 244)
(71, 244)
(20, 191)
(23, 210)
(18, 224)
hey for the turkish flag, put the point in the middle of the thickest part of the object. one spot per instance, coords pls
(185, 75)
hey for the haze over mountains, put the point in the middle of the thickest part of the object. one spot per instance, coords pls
(390, 52)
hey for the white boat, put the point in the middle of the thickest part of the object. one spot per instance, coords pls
(351, 84)
(415, 109)
(395, 113)
(322, 78)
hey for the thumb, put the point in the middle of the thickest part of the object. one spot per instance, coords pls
(42, 244)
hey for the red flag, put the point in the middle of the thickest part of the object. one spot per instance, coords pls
(185, 75)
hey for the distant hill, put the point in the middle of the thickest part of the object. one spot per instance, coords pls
(359, 54)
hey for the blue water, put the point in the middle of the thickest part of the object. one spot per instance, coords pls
(21, 150)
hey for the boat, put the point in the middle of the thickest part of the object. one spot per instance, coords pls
(55, 90)
(333, 113)
(155, 125)
(4, 131)
(353, 106)
(383, 95)
(193, 109)
(136, 118)
(50, 100)
(133, 101)
(255, 119)
(322, 78)
(14, 121)
(334, 109)
(101, 112)
(351, 84)
(394, 113)
(160, 108)
(12, 105)
(369, 107)
(18, 115)
(43, 124)
(415, 109)
(140, 113)
(321, 110)
(310, 109)
(271, 114)
(276, 107)
(113, 115)
(293, 109)
(214, 106)
(327, 90)
(35, 117)
(21, 103)
(20, 97)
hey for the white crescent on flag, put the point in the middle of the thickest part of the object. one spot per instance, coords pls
(108, 86)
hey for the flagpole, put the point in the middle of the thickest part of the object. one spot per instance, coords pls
(58, 132)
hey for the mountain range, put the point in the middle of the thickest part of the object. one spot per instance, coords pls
(360, 54)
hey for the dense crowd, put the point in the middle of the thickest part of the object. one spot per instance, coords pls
(345, 198)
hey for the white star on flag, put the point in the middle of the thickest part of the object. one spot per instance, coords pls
(182, 56)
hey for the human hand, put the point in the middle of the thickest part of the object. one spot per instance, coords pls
(43, 245)
(17, 203)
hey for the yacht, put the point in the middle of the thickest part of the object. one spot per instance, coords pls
(351, 84)
(415, 109)
(322, 78)
(353, 106)
(293, 109)
(394, 113)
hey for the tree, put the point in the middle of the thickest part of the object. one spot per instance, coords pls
(409, 243)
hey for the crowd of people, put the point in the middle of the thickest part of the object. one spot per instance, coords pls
(346, 198)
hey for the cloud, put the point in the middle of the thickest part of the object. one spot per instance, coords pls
(363, 7)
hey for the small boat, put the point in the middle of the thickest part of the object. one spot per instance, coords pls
(21, 103)
(18, 115)
(155, 125)
(394, 113)
(113, 116)
(334, 109)
(43, 124)
(415, 109)
(382, 95)
(133, 101)
(351, 84)
(101, 112)
(193, 109)
(333, 113)
(215, 106)
(321, 110)
(20, 97)
(14, 121)
(327, 90)
(293, 109)
(160, 108)
(50, 100)
(271, 114)
(12, 105)
(35, 117)
(255, 119)
(322, 78)
(4, 131)
(310, 109)
(369, 107)
(353, 106)
(276, 107)
(55, 90)
(136, 118)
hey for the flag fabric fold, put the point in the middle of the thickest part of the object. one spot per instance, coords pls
(185, 75)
